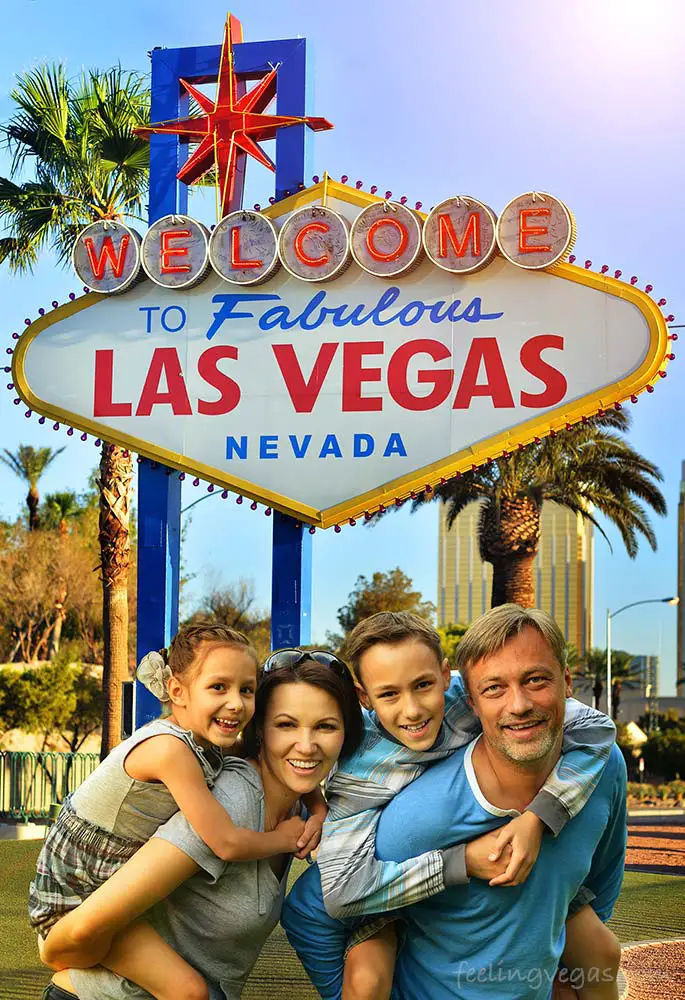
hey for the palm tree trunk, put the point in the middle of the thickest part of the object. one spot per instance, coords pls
(509, 539)
(60, 615)
(116, 473)
(32, 501)
(512, 580)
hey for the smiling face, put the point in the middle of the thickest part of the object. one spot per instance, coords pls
(217, 702)
(405, 683)
(519, 694)
(302, 736)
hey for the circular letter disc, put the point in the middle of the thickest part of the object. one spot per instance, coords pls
(243, 248)
(175, 252)
(386, 239)
(110, 250)
(459, 235)
(535, 230)
(314, 244)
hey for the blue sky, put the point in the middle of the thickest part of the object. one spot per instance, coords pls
(430, 99)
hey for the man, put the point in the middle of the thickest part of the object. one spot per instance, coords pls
(479, 940)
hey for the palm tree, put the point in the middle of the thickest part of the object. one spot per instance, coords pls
(589, 468)
(29, 464)
(591, 675)
(87, 164)
(60, 508)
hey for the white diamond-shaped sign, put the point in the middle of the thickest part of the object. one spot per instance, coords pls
(328, 399)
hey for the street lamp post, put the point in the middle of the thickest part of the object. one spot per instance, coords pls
(612, 614)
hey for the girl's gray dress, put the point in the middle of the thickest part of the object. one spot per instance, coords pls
(102, 824)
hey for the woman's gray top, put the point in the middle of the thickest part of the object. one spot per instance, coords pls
(221, 917)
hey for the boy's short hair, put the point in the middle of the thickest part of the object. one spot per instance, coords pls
(389, 626)
(491, 631)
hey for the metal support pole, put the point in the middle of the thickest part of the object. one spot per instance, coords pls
(159, 489)
(159, 556)
(608, 663)
(291, 583)
(159, 494)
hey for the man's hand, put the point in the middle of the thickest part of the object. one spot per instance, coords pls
(479, 852)
(311, 836)
(523, 835)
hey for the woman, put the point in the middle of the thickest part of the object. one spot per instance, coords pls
(219, 914)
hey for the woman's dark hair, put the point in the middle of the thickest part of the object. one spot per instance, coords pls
(340, 687)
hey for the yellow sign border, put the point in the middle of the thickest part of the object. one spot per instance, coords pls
(416, 482)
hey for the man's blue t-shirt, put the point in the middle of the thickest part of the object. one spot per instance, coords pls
(475, 941)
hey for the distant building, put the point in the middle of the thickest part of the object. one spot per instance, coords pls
(562, 571)
(634, 705)
(648, 674)
(680, 669)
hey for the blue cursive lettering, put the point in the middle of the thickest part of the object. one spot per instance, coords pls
(316, 313)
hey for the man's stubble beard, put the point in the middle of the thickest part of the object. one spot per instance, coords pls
(538, 750)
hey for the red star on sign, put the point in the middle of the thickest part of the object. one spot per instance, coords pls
(231, 126)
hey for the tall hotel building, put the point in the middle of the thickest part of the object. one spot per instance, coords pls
(562, 572)
(680, 669)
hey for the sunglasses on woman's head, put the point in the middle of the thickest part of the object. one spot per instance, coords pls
(283, 658)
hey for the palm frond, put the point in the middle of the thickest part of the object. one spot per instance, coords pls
(87, 161)
(41, 128)
(29, 463)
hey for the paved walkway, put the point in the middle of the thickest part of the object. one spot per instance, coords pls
(655, 971)
(659, 849)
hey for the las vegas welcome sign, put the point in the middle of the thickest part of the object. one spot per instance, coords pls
(338, 352)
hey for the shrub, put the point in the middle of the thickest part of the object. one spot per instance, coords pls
(664, 754)
(678, 790)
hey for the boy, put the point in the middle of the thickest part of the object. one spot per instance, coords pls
(401, 679)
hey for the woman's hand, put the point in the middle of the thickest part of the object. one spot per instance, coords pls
(311, 836)
(524, 835)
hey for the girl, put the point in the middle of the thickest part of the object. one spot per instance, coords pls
(209, 678)
(306, 715)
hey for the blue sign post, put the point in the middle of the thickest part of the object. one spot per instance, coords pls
(159, 488)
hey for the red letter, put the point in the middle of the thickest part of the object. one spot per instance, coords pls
(107, 253)
(304, 258)
(441, 380)
(167, 251)
(354, 375)
(303, 394)
(102, 396)
(164, 362)
(525, 230)
(484, 349)
(208, 370)
(471, 235)
(394, 254)
(555, 382)
(236, 261)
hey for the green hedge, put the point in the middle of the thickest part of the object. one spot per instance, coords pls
(672, 791)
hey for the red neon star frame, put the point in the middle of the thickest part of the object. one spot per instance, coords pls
(231, 127)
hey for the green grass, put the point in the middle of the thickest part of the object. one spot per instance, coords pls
(650, 907)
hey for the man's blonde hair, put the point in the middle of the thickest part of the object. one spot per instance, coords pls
(491, 631)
